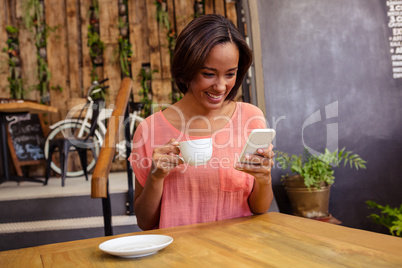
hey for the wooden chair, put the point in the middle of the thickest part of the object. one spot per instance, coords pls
(100, 176)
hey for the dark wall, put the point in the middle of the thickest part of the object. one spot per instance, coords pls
(329, 83)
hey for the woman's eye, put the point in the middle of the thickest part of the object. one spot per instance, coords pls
(208, 74)
(231, 74)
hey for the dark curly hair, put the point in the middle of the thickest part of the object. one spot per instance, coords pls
(196, 41)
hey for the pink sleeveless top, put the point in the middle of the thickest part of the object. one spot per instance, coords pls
(210, 192)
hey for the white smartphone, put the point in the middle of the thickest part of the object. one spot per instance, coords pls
(258, 138)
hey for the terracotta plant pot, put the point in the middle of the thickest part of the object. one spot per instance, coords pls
(307, 203)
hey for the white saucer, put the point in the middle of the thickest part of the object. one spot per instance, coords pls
(135, 246)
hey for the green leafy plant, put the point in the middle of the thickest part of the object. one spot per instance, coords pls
(58, 88)
(34, 19)
(95, 44)
(318, 169)
(16, 88)
(146, 76)
(11, 30)
(124, 48)
(95, 8)
(124, 55)
(388, 217)
(162, 16)
(15, 82)
(44, 76)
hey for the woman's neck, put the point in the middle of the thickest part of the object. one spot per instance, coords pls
(195, 119)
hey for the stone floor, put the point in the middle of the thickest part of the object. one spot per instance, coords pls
(11, 190)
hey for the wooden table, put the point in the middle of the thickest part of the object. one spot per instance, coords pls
(17, 108)
(268, 240)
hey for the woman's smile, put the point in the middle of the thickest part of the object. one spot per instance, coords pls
(215, 97)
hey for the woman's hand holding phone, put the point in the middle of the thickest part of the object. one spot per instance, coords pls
(256, 158)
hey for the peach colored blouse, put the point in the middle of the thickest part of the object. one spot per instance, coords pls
(210, 192)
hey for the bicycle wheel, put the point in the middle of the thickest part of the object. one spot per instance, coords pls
(70, 129)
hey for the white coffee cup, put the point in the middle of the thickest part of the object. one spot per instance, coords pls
(196, 152)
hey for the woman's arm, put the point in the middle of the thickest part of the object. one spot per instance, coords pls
(147, 199)
(147, 203)
(261, 197)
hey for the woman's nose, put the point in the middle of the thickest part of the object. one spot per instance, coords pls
(221, 84)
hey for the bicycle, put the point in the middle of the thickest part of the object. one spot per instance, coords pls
(78, 127)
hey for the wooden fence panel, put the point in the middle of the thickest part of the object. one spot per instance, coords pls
(29, 62)
(4, 91)
(209, 6)
(86, 59)
(231, 12)
(138, 25)
(164, 51)
(184, 13)
(155, 52)
(57, 57)
(109, 33)
(73, 39)
(220, 7)
(68, 54)
(153, 39)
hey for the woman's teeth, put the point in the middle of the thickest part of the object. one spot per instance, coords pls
(213, 96)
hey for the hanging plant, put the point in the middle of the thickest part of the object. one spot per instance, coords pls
(96, 46)
(124, 56)
(15, 82)
(146, 76)
(124, 49)
(199, 8)
(34, 19)
(162, 16)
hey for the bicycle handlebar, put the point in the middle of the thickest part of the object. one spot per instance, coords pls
(103, 81)
(93, 88)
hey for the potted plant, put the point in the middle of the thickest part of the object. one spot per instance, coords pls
(308, 188)
(389, 217)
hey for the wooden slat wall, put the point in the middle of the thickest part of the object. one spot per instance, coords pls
(85, 58)
(57, 55)
(4, 91)
(155, 56)
(138, 24)
(184, 13)
(109, 33)
(29, 59)
(74, 72)
(68, 54)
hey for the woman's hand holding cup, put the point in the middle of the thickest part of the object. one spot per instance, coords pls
(165, 158)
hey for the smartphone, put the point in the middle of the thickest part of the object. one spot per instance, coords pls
(258, 138)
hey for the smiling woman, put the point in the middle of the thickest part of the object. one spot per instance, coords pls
(209, 64)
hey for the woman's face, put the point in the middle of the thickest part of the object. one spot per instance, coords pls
(215, 80)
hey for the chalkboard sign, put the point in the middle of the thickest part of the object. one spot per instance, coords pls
(25, 139)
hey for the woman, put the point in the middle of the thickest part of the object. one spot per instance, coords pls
(210, 61)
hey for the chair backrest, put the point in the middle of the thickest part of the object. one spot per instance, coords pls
(96, 107)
